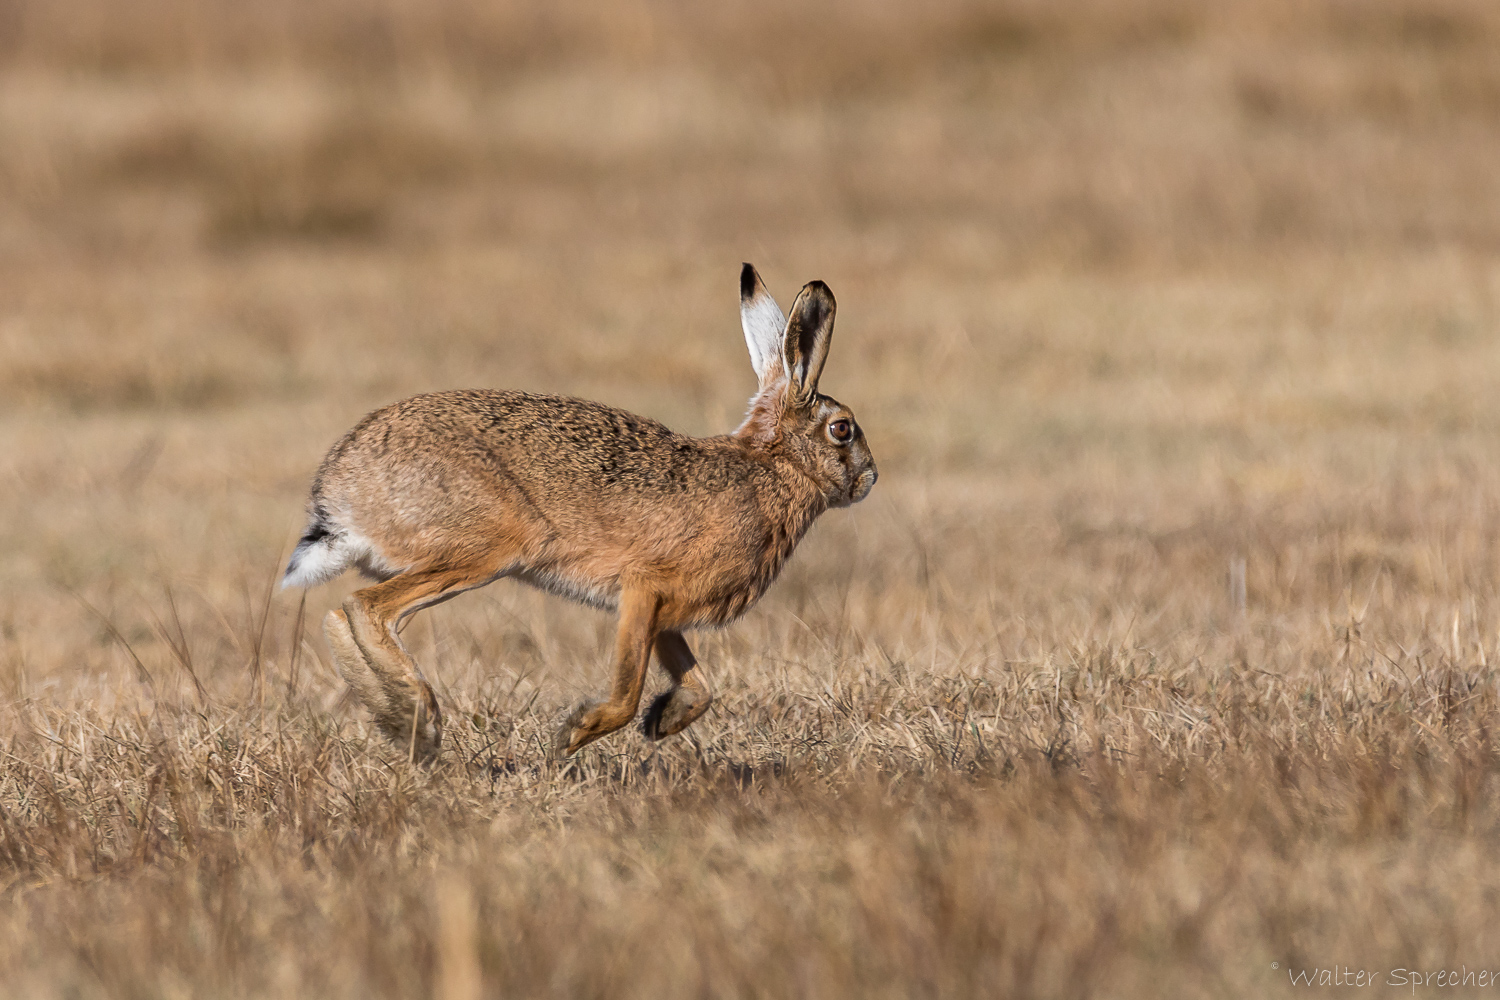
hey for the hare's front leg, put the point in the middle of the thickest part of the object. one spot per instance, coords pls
(687, 699)
(591, 720)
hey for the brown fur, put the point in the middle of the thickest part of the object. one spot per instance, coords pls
(446, 492)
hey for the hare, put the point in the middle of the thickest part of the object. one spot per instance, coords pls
(446, 492)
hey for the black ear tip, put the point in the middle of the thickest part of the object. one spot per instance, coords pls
(820, 291)
(748, 280)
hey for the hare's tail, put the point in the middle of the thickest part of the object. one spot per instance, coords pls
(320, 555)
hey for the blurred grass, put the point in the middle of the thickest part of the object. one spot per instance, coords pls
(1129, 289)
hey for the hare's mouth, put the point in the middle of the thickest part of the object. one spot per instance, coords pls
(863, 485)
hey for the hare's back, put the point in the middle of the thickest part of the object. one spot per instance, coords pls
(461, 452)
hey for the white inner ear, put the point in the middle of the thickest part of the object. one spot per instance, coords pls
(765, 330)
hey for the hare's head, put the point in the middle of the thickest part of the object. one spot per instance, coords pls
(788, 415)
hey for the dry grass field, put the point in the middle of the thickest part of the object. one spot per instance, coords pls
(1133, 293)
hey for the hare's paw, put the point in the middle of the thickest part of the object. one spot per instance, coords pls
(412, 719)
(575, 730)
(673, 712)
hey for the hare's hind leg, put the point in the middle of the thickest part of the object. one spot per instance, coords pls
(591, 720)
(351, 662)
(377, 666)
(688, 698)
(396, 699)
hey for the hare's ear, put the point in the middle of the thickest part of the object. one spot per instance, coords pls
(764, 325)
(808, 334)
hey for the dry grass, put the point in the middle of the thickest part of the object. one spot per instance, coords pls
(1129, 292)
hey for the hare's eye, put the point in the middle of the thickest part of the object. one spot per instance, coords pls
(842, 430)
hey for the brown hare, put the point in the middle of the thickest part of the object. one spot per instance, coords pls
(443, 493)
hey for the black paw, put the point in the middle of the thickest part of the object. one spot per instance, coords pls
(673, 712)
(651, 724)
